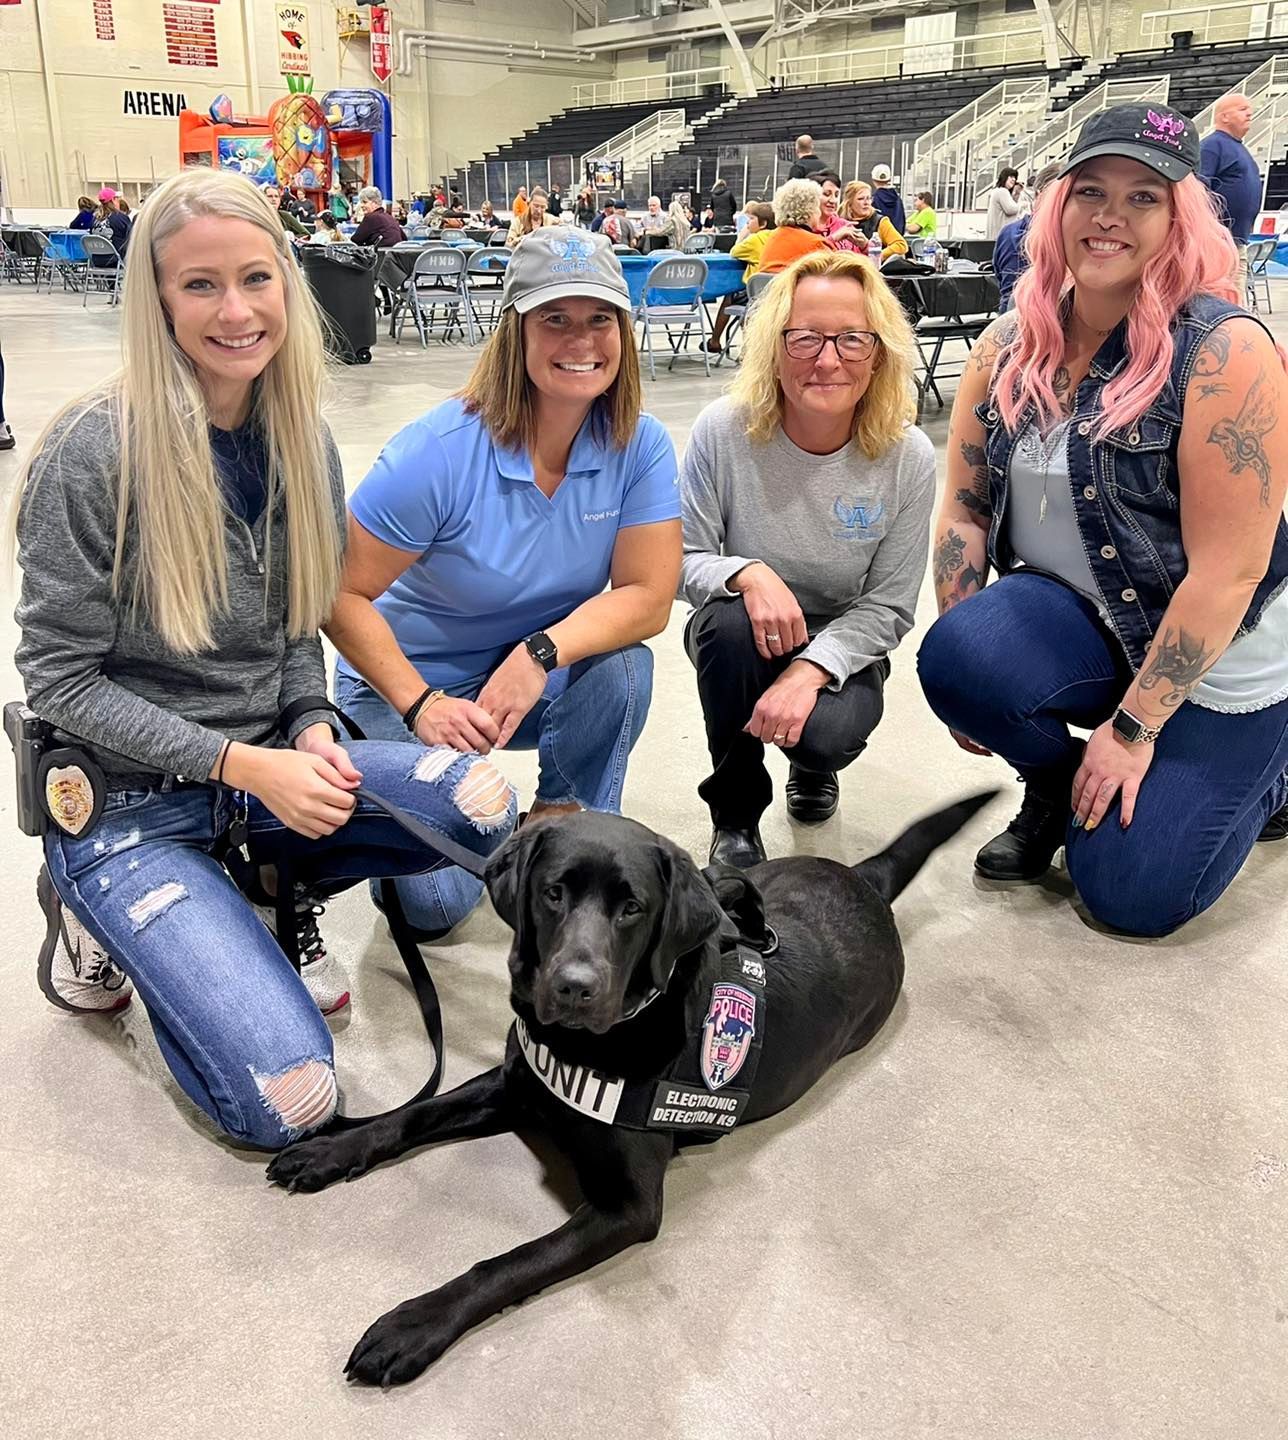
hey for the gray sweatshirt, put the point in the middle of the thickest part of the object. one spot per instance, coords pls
(846, 534)
(96, 670)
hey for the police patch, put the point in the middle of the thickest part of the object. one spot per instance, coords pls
(727, 1034)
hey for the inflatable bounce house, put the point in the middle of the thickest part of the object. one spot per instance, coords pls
(302, 141)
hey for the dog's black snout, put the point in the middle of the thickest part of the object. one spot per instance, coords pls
(578, 983)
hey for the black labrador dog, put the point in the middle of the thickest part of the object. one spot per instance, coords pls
(627, 964)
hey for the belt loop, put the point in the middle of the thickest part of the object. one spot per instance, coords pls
(167, 784)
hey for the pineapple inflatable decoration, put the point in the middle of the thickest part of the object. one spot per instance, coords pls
(301, 138)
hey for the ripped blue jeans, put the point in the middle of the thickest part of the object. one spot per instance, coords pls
(232, 1018)
(583, 729)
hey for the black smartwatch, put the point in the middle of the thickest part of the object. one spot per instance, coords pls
(542, 649)
(1133, 731)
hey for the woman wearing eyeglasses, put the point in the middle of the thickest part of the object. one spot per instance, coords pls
(806, 498)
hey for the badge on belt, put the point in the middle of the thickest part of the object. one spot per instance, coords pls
(72, 789)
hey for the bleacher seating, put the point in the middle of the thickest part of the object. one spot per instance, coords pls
(575, 131)
(1200, 74)
(903, 105)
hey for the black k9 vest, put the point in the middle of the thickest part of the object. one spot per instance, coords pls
(707, 1088)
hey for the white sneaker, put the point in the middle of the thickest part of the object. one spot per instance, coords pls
(73, 970)
(7, 441)
(322, 973)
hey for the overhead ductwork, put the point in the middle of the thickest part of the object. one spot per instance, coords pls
(498, 51)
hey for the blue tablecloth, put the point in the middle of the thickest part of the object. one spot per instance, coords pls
(66, 245)
(724, 277)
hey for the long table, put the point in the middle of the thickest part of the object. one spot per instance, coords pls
(724, 277)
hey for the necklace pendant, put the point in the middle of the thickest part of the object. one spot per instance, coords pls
(1042, 509)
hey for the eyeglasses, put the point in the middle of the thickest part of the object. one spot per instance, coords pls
(850, 344)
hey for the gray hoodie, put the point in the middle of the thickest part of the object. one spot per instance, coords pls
(100, 672)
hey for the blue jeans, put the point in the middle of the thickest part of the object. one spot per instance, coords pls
(583, 727)
(1014, 666)
(232, 1018)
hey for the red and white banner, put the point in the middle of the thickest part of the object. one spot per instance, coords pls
(104, 24)
(190, 36)
(293, 40)
(382, 45)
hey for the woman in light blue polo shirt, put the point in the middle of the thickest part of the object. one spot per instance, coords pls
(473, 613)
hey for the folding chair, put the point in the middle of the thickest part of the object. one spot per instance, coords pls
(101, 275)
(64, 256)
(737, 314)
(485, 275)
(436, 282)
(954, 307)
(1260, 254)
(699, 244)
(683, 277)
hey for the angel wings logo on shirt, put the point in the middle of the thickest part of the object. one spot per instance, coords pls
(859, 521)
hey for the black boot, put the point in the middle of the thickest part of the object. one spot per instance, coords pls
(1026, 848)
(1276, 828)
(812, 795)
(741, 848)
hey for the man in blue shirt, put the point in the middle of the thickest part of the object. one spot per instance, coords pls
(1232, 175)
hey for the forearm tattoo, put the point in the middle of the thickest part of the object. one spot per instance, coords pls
(950, 565)
(1175, 667)
(976, 498)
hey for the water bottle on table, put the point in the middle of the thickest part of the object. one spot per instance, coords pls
(930, 253)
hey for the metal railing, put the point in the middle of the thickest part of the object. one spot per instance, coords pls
(636, 147)
(1263, 87)
(996, 120)
(875, 62)
(1054, 138)
(1209, 24)
(677, 85)
(498, 180)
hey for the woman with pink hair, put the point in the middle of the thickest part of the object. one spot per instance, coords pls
(1119, 456)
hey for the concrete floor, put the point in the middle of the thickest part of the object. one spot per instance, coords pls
(1050, 1201)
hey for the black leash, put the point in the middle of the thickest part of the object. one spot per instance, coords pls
(422, 982)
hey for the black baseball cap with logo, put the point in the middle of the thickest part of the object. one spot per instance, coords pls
(1153, 134)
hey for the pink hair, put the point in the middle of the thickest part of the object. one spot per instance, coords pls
(1198, 259)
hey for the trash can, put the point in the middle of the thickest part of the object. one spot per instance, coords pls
(342, 279)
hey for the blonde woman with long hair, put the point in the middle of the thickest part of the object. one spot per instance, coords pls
(806, 497)
(512, 549)
(180, 535)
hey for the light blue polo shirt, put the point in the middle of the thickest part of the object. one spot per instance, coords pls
(497, 560)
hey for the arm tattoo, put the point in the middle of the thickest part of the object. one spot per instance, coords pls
(1178, 663)
(1213, 354)
(976, 498)
(948, 557)
(1210, 392)
(1240, 438)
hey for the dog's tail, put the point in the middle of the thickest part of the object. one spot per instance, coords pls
(890, 871)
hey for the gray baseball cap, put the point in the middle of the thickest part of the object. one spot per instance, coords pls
(557, 263)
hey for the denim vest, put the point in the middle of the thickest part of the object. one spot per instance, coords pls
(1126, 489)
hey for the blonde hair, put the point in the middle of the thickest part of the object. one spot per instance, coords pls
(851, 193)
(887, 405)
(169, 495)
(501, 394)
(795, 202)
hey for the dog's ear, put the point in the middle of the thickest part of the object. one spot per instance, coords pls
(506, 877)
(739, 899)
(691, 914)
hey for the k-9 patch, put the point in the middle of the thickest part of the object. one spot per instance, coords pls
(727, 1033)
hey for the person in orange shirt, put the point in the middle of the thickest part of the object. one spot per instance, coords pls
(798, 211)
(520, 207)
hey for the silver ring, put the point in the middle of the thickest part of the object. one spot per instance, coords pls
(775, 638)
(778, 738)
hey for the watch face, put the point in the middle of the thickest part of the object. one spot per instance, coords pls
(1127, 725)
(542, 649)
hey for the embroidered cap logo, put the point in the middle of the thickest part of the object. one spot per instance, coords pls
(574, 255)
(1163, 129)
(727, 1033)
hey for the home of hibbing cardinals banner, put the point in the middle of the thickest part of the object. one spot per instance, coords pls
(293, 40)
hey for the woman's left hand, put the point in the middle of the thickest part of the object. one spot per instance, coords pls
(1108, 766)
(514, 688)
(781, 712)
(320, 740)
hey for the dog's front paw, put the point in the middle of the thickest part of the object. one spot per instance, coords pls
(315, 1163)
(401, 1344)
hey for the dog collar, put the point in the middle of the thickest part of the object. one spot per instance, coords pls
(696, 1094)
